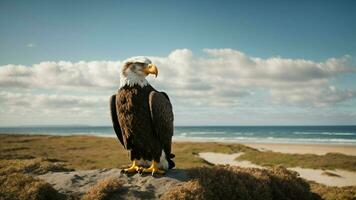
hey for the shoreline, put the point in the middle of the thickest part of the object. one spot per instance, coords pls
(198, 140)
(260, 141)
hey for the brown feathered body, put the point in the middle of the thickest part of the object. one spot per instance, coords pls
(136, 124)
(144, 122)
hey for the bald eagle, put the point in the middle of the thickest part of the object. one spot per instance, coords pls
(142, 118)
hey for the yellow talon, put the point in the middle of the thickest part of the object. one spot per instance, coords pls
(134, 168)
(153, 169)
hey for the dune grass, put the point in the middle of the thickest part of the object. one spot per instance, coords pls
(327, 161)
(79, 152)
(31, 166)
(17, 182)
(105, 189)
(334, 193)
(21, 156)
(205, 183)
(22, 186)
(84, 152)
(224, 182)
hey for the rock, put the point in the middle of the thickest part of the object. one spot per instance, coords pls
(77, 183)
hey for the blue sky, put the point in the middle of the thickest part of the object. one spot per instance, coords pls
(96, 30)
(32, 32)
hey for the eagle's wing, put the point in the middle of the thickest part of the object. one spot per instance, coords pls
(162, 119)
(115, 120)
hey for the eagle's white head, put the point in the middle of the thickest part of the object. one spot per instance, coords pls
(134, 71)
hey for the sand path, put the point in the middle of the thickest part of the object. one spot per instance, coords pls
(345, 178)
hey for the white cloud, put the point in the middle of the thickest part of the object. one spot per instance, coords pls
(220, 78)
(53, 102)
(318, 97)
(226, 75)
(61, 75)
(27, 108)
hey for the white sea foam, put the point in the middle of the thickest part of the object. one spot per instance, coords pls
(340, 136)
(322, 133)
(206, 133)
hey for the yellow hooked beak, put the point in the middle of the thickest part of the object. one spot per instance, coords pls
(151, 69)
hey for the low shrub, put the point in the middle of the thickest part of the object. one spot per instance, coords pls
(104, 189)
(225, 182)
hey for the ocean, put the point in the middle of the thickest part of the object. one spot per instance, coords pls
(343, 135)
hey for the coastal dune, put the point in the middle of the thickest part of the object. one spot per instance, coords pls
(87, 167)
(328, 177)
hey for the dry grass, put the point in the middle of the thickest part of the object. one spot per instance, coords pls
(31, 166)
(79, 152)
(85, 152)
(327, 161)
(224, 182)
(21, 155)
(104, 190)
(16, 181)
(191, 190)
(334, 193)
(21, 186)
